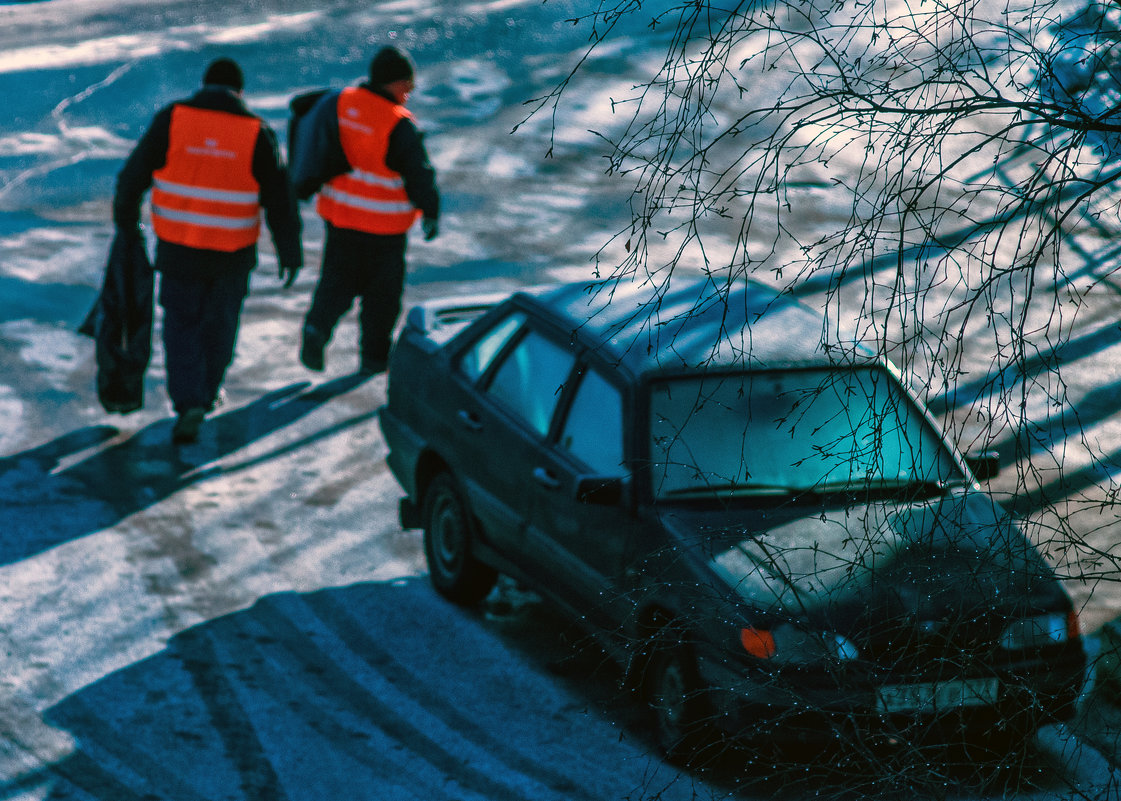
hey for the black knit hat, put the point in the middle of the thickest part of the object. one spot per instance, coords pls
(224, 72)
(389, 65)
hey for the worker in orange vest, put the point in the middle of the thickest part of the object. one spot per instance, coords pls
(212, 166)
(360, 149)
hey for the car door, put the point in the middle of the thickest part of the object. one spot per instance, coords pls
(577, 546)
(465, 433)
(505, 421)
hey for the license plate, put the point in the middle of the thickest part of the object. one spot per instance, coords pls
(939, 696)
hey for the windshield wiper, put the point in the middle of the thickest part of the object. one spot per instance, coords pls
(735, 489)
(916, 487)
(731, 488)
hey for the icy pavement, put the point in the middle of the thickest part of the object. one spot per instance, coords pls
(243, 617)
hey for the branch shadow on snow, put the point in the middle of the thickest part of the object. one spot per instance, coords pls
(1043, 438)
(48, 502)
(386, 687)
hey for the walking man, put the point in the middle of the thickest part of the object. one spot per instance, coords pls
(361, 150)
(212, 166)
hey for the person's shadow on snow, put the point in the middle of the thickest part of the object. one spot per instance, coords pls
(46, 504)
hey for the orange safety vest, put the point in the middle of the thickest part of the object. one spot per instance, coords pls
(205, 196)
(371, 197)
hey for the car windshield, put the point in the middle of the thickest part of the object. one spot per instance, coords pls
(792, 431)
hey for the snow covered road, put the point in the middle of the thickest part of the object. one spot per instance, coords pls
(244, 618)
(255, 625)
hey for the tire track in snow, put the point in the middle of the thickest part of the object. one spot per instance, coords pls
(332, 617)
(344, 679)
(114, 766)
(294, 713)
(247, 705)
(231, 721)
(86, 776)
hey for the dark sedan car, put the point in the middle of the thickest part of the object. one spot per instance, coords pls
(758, 520)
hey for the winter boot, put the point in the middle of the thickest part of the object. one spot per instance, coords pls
(311, 351)
(186, 428)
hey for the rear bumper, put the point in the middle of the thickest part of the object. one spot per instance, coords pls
(404, 452)
(408, 512)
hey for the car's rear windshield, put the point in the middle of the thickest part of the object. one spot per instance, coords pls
(778, 432)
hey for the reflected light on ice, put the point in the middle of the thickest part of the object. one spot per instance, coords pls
(130, 47)
(27, 143)
(94, 51)
(262, 30)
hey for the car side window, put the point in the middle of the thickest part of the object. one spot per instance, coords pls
(530, 379)
(593, 430)
(478, 357)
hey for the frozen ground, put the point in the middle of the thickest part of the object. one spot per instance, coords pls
(244, 618)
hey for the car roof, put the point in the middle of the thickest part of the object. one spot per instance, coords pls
(692, 324)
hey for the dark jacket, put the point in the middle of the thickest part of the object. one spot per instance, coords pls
(317, 153)
(121, 324)
(277, 198)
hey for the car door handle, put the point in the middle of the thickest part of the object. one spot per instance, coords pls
(545, 478)
(469, 420)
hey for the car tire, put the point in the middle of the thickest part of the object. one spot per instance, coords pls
(679, 707)
(449, 538)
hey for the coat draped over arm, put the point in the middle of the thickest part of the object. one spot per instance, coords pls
(120, 323)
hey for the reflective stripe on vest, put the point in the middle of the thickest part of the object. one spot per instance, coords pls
(371, 197)
(205, 196)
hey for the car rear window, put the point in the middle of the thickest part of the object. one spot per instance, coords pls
(478, 357)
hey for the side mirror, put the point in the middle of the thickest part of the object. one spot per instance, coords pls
(984, 465)
(600, 490)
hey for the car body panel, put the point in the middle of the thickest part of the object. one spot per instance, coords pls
(578, 548)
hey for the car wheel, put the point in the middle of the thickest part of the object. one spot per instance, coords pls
(448, 541)
(678, 703)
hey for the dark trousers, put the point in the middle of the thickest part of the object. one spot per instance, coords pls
(200, 323)
(369, 267)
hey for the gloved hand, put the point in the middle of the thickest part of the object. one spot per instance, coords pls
(288, 275)
(431, 228)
